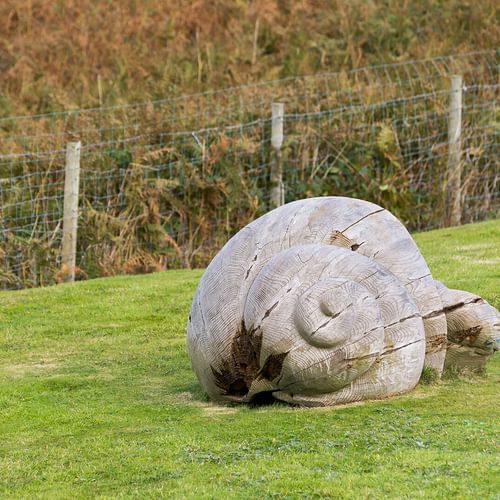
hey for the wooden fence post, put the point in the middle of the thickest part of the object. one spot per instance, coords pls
(277, 187)
(454, 186)
(70, 221)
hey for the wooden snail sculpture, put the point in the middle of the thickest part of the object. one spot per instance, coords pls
(326, 301)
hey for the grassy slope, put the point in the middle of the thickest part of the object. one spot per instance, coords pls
(97, 398)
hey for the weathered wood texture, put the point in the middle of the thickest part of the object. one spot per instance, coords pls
(473, 329)
(277, 193)
(70, 222)
(454, 187)
(325, 301)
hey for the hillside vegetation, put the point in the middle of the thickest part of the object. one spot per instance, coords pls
(98, 400)
(165, 183)
(60, 54)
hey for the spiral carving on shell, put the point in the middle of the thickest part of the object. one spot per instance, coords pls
(326, 301)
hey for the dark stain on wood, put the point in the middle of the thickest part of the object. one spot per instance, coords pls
(273, 365)
(435, 343)
(235, 377)
(465, 336)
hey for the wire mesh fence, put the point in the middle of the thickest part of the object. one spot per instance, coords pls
(165, 183)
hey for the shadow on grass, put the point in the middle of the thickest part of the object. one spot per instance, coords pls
(193, 392)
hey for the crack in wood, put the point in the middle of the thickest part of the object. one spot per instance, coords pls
(458, 305)
(453, 307)
(394, 349)
(363, 218)
(201, 315)
(290, 225)
(356, 246)
(401, 320)
(332, 317)
(250, 268)
(270, 310)
(433, 314)
(366, 356)
(326, 323)
(416, 279)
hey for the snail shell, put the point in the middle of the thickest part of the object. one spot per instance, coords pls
(473, 329)
(321, 301)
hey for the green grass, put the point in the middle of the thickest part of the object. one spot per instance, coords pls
(97, 398)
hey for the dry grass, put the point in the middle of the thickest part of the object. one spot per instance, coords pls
(59, 54)
(137, 215)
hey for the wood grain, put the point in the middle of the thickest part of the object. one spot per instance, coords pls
(325, 301)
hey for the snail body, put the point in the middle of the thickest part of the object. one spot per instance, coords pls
(319, 302)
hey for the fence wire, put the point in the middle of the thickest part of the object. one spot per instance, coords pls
(165, 183)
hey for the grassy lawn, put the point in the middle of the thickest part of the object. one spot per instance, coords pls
(97, 398)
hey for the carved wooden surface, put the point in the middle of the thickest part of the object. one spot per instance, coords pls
(325, 301)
